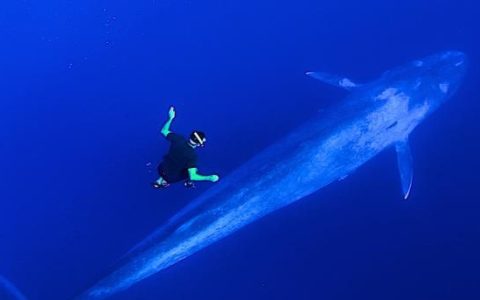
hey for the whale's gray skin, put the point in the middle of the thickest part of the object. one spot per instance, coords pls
(372, 118)
(8, 291)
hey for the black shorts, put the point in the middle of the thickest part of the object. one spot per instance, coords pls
(170, 175)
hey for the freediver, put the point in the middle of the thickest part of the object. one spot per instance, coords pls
(180, 163)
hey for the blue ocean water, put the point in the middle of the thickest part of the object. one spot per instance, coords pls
(85, 88)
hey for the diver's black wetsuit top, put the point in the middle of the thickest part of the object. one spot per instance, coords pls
(178, 160)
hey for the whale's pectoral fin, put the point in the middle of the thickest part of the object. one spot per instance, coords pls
(405, 166)
(334, 80)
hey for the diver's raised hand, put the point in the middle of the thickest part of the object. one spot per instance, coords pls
(171, 113)
(214, 178)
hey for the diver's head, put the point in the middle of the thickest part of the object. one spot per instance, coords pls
(197, 139)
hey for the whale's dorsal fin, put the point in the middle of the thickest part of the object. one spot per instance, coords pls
(405, 166)
(334, 80)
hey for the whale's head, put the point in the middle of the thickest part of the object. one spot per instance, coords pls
(413, 91)
(434, 79)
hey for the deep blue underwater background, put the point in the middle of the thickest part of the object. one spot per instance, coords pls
(85, 88)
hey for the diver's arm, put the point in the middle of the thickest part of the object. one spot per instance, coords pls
(194, 176)
(166, 128)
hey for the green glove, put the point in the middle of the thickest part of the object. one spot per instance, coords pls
(214, 178)
(171, 113)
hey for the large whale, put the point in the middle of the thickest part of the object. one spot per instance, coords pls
(375, 116)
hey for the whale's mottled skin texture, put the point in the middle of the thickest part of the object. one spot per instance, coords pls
(373, 117)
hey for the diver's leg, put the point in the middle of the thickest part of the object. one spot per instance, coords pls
(160, 182)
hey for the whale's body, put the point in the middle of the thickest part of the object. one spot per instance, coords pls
(8, 291)
(328, 148)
